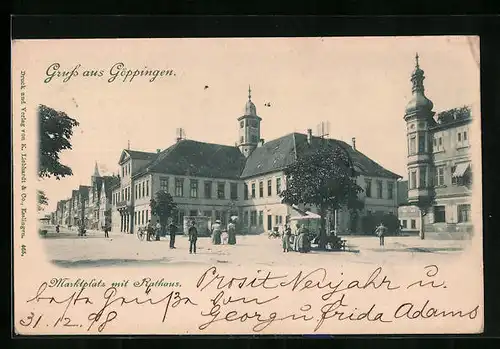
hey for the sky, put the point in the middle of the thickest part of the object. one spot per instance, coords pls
(359, 85)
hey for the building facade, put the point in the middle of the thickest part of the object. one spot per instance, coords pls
(439, 164)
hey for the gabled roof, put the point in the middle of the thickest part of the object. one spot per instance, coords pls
(277, 154)
(137, 155)
(272, 156)
(193, 158)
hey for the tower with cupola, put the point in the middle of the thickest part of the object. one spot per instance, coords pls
(419, 118)
(249, 127)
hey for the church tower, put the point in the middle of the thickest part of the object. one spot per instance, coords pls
(249, 127)
(95, 175)
(419, 117)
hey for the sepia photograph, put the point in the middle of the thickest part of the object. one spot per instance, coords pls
(175, 156)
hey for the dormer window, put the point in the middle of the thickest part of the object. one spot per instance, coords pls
(242, 124)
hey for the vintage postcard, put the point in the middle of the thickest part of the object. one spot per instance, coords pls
(322, 185)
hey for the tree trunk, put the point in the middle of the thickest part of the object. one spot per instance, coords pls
(422, 231)
(322, 229)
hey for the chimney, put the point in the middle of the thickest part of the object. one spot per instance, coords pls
(354, 143)
(158, 151)
(261, 142)
(309, 135)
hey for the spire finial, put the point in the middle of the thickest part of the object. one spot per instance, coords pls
(249, 93)
(96, 170)
(128, 144)
(416, 60)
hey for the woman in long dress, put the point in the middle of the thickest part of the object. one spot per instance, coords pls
(216, 233)
(231, 231)
(303, 243)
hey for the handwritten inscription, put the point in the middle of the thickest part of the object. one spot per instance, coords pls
(222, 300)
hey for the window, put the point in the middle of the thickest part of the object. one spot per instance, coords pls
(421, 142)
(135, 217)
(423, 177)
(254, 139)
(241, 139)
(179, 187)
(413, 224)
(123, 171)
(459, 137)
(413, 145)
(269, 187)
(234, 191)
(261, 218)
(379, 189)
(245, 218)
(147, 213)
(122, 196)
(368, 188)
(143, 189)
(208, 190)
(135, 191)
(278, 186)
(390, 190)
(453, 178)
(277, 220)
(253, 218)
(147, 188)
(221, 190)
(439, 214)
(142, 217)
(253, 190)
(463, 213)
(164, 184)
(404, 223)
(413, 180)
(193, 188)
(242, 123)
(181, 217)
(245, 191)
(261, 189)
(193, 213)
(465, 135)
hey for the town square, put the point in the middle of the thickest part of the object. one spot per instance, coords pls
(302, 195)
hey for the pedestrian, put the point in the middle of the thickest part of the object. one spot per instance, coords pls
(158, 231)
(287, 233)
(303, 243)
(106, 230)
(381, 232)
(193, 237)
(231, 232)
(57, 228)
(216, 233)
(149, 231)
(172, 230)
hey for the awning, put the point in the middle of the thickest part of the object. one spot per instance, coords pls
(460, 169)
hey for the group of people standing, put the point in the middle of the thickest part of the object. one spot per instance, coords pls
(301, 242)
(217, 233)
(156, 231)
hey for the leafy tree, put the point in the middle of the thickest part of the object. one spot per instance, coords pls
(56, 130)
(162, 205)
(322, 177)
(42, 200)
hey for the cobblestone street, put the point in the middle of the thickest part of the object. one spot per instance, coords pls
(66, 249)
